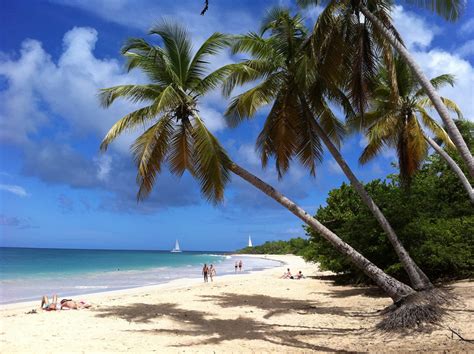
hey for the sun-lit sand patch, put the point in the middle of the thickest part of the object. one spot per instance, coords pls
(256, 312)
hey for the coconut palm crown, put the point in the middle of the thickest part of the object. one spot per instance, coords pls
(399, 123)
(176, 134)
(284, 71)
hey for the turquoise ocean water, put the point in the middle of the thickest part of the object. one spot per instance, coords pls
(28, 273)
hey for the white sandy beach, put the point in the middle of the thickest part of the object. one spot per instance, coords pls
(256, 312)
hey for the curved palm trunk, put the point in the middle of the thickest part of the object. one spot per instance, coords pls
(392, 287)
(454, 166)
(418, 279)
(453, 131)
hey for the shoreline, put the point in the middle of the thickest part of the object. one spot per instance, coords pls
(245, 313)
(166, 285)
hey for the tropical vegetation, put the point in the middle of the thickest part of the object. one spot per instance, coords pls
(434, 219)
(297, 246)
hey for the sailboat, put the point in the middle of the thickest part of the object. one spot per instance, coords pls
(250, 242)
(176, 248)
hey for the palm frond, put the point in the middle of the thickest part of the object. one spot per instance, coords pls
(383, 132)
(278, 137)
(450, 105)
(307, 3)
(438, 82)
(411, 149)
(364, 62)
(246, 72)
(178, 47)
(129, 122)
(450, 10)
(211, 163)
(212, 80)
(149, 151)
(255, 45)
(180, 157)
(247, 103)
(155, 66)
(199, 64)
(373, 148)
(134, 93)
(432, 125)
(308, 144)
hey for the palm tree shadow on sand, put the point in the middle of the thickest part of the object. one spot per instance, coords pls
(198, 323)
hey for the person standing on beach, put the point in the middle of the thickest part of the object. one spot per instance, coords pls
(240, 265)
(205, 272)
(236, 266)
(212, 272)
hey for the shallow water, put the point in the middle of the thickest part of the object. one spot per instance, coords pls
(27, 274)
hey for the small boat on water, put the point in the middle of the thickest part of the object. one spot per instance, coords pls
(176, 248)
(250, 242)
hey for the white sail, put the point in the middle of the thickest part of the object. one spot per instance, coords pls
(250, 242)
(176, 247)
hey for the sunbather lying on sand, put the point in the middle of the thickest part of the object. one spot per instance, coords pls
(49, 306)
(66, 304)
(75, 305)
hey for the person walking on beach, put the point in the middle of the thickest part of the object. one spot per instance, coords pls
(236, 266)
(240, 265)
(205, 272)
(212, 272)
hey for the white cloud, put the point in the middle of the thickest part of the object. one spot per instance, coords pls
(212, 118)
(418, 35)
(17, 190)
(436, 62)
(467, 27)
(415, 32)
(467, 49)
(38, 88)
(104, 166)
(247, 153)
(334, 167)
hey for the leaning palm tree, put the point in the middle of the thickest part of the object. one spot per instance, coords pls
(177, 136)
(300, 115)
(375, 11)
(398, 122)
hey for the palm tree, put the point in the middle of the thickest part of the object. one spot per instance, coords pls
(177, 134)
(375, 12)
(398, 121)
(298, 92)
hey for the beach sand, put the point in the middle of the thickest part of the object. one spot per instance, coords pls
(256, 312)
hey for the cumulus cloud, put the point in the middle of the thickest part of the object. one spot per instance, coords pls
(418, 35)
(467, 49)
(14, 189)
(40, 90)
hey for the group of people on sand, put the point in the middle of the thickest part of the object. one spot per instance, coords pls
(208, 272)
(288, 275)
(64, 304)
(239, 265)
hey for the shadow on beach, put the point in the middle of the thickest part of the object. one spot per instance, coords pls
(196, 323)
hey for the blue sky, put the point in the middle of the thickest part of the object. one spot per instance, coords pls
(57, 190)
